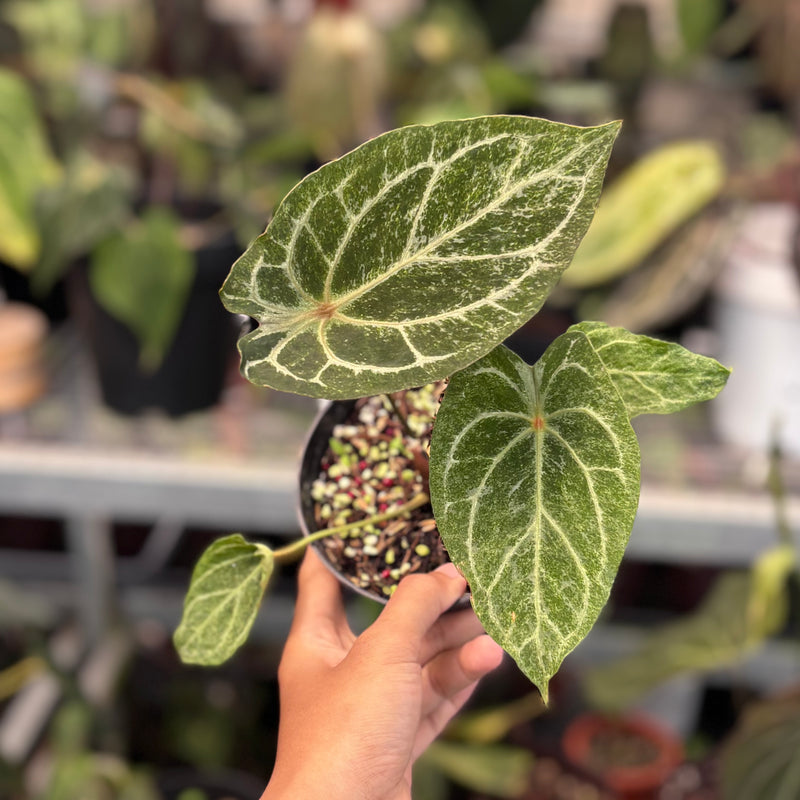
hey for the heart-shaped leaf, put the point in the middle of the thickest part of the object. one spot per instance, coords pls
(653, 376)
(415, 254)
(220, 607)
(534, 483)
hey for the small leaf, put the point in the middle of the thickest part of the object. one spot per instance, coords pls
(642, 207)
(534, 483)
(143, 277)
(499, 769)
(223, 599)
(353, 281)
(653, 376)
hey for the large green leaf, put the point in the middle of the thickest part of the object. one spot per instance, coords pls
(415, 254)
(761, 761)
(643, 206)
(535, 482)
(143, 277)
(653, 376)
(740, 612)
(220, 607)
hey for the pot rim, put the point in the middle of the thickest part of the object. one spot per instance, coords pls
(635, 778)
(325, 408)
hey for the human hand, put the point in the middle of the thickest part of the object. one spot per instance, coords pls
(356, 712)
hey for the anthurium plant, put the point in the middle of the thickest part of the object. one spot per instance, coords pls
(409, 260)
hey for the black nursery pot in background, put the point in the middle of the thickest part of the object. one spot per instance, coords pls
(192, 375)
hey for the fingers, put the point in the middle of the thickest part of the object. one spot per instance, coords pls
(453, 671)
(449, 631)
(416, 605)
(319, 598)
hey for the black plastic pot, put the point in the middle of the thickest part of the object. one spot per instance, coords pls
(192, 374)
(314, 450)
(17, 288)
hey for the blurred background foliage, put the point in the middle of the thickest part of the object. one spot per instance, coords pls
(136, 134)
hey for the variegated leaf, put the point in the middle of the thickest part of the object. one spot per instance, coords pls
(225, 593)
(535, 482)
(653, 376)
(415, 254)
(643, 207)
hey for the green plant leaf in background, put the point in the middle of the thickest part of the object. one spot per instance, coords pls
(499, 770)
(642, 207)
(488, 725)
(698, 20)
(534, 483)
(143, 276)
(653, 376)
(353, 281)
(87, 205)
(760, 761)
(26, 166)
(224, 595)
(740, 612)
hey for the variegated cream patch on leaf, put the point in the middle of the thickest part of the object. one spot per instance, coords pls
(225, 593)
(535, 483)
(653, 376)
(415, 254)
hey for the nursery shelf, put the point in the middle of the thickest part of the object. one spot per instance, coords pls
(235, 468)
(720, 528)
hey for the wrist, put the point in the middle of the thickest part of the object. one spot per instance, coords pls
(301, 787)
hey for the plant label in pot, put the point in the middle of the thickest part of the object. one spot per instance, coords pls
(408, 261)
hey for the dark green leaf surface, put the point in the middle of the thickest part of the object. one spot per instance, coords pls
(227, 585)
(653, 376)
(415, 254)
(534, 483)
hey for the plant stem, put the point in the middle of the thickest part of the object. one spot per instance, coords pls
(778, 491)
(394, 408)
(295, 548)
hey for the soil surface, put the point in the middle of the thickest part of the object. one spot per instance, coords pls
(377, 460)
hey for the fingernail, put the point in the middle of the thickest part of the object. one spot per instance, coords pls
(449, 570)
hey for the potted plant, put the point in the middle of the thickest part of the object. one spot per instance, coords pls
(631, 756)
(408, 261)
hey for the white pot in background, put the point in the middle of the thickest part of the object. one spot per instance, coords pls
(757, 312)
